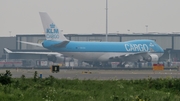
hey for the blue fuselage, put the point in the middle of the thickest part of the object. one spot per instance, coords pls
(129, 46)
(103, 51)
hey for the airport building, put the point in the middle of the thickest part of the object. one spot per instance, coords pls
(168, 41)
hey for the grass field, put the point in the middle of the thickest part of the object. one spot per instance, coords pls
(52, 89)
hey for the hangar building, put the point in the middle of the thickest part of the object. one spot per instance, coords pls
(168, 41)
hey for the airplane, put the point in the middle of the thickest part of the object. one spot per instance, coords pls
(93, 52)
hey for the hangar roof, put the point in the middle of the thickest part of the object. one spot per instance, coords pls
(111, 34)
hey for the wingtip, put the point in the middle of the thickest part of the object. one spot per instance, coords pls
(7, 50)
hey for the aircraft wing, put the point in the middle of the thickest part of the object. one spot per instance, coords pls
(130, 57)
(135, 54)
(40, 53)
(60, 45)
(30, 43)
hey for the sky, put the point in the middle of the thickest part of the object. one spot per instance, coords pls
(89, 16)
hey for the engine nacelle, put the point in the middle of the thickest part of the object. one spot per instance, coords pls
(52, 58)
(152, 58)
(58, 58)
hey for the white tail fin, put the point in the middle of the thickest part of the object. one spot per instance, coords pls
(51, 30)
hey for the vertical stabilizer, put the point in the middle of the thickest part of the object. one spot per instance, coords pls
(51, 30)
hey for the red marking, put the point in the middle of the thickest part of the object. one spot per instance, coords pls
(10, 62)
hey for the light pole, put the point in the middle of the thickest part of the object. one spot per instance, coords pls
(106, 19)
(128, 31)
(169, 60)
(146, 28)
(117, 32)
(169, 55)
(7, 56)
(10, 33)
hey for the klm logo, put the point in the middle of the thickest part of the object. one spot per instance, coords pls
(52, 29)
(52, 25)
(52, 32)
(151, 45)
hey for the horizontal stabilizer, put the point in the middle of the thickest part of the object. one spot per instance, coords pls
(30, 43)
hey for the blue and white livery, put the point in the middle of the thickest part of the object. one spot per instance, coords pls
(129, 51)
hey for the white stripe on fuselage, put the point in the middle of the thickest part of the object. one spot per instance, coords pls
(98, 56)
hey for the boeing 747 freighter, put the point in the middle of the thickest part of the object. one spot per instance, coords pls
(129, 51)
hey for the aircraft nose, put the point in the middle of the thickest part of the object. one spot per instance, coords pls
(162, 50)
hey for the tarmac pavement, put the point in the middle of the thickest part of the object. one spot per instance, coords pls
(95, 74)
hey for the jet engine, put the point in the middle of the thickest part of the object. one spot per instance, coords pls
(152, 58)
(58, 58)
(52, 58)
